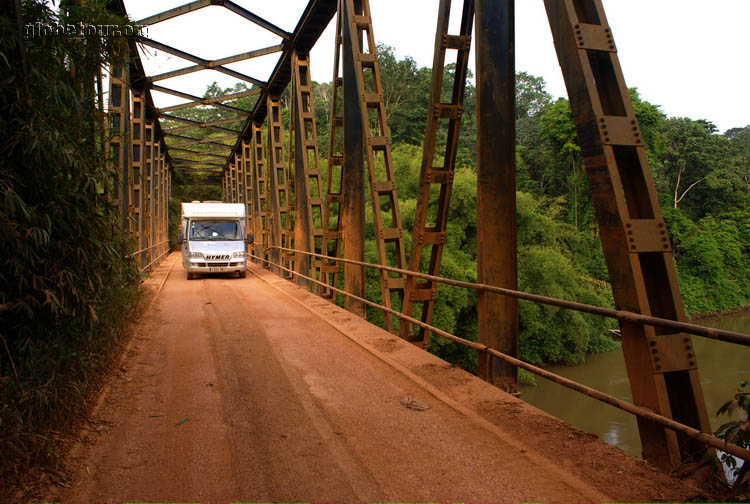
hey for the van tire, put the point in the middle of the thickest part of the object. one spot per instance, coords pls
(242, 274)
(190, 276)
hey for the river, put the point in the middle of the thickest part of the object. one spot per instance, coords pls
(721, 366)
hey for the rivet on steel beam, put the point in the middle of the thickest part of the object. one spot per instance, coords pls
(686, 339)
(692, 363)
(653, 343)
(688, 347)
(632, 247)
(611, 47)
(690, 356)
(654, 351)
(606, 139)
(577, 26)
(661, 224)
(602, 119)
(658, 367)
(606, 30)
(628, 225)
(656, 359)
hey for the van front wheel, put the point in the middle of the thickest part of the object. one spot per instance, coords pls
(242, 274)
(190, 276)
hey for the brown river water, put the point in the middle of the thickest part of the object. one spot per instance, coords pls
(722, 366)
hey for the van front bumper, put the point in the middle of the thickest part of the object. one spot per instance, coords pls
(201, 266)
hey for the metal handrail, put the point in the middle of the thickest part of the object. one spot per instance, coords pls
(621, 315)
(639, 411)
(152, 262)
(148, 248)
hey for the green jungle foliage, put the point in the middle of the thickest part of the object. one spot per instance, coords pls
(702, 177)
(66, 282)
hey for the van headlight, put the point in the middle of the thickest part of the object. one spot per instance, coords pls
(195, 254)
(239, 254)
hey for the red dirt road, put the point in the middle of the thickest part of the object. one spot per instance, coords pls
(246, 390)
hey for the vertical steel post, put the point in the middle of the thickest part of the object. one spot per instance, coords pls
(353, 181)
(332, 241)
(148, 161)
(260, 190)
(277, 182)
(119, 143)
(308, 221)
(247, 169)
(662, 367)
(496, 186)
(136, 171)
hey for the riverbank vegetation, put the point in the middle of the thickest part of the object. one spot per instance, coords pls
(66, 284)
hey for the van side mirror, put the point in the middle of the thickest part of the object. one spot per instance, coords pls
(179, 239)
(250, 239)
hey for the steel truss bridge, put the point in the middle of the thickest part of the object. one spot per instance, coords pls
(313, 234)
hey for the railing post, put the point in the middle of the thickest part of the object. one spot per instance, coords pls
(496, 187)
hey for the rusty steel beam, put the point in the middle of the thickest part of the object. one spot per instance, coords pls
(217, 122)
(199, 61)
(218, 62)
(278, 182)
(197, 100)
(199, 153)
(433, 236)
(314, 19)
(196, 123)
(119, 142)
(661, 364)
(248, 170)
(496, 187)
(389, 239)
(177, 11)
(307, 196)
(208, 101)
(260, 191)
(254, 18)
(214, 142)
(352, 206)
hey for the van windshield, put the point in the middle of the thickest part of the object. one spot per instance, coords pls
(205, 230)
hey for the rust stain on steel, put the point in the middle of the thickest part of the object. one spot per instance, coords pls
(496, 187)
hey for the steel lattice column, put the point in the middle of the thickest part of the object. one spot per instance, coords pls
(308, 222)
(136, 172)
(496, 186)
(247, 170)
(661, 366)
(260, 191)
(119, 142)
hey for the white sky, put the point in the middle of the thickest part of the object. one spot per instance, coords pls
(689, 56)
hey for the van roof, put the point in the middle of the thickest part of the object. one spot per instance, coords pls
(209, 210)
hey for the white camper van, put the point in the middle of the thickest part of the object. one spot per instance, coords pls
(213, 238)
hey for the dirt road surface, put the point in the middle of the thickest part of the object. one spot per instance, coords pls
(247, 390)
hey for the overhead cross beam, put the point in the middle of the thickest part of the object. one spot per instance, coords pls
(227, 4)
(199, 61)
(210, 64)
(206, 124)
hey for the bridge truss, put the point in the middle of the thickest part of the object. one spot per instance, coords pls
(318, 236)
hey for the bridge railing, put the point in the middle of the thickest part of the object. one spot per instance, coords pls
(148, 266)
(622, 315)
